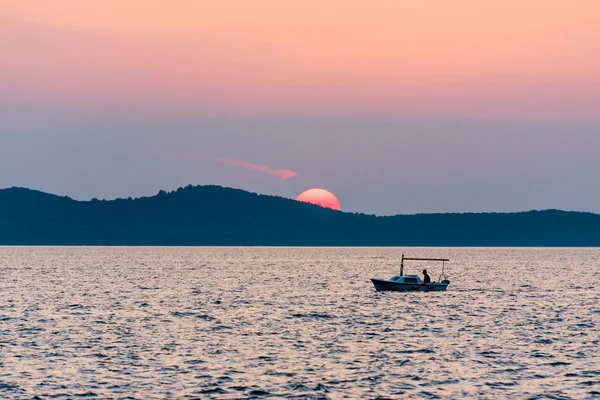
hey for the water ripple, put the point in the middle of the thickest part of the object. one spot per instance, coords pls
(231, 323)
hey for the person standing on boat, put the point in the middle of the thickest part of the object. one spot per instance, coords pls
(426, 278)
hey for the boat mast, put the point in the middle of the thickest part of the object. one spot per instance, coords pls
(402, 266)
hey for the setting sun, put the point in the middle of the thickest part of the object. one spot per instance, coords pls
(320, 197)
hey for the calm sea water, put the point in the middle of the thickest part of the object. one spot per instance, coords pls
(143, 323)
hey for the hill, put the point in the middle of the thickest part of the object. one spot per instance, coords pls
(213, 215)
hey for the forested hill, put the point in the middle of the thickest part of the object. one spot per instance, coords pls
(213, 215)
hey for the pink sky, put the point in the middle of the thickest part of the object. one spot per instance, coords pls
(497, 58)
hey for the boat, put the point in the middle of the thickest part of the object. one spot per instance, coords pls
(412, 283)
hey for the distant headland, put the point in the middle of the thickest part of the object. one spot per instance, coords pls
(218, 216)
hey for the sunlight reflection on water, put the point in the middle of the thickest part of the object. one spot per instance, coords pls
(296, 322)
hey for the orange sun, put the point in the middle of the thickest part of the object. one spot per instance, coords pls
(320, 197)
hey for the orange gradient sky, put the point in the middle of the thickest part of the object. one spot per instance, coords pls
(396, 106)
(494, 58)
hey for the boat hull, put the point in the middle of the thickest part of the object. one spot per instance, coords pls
(383, 285)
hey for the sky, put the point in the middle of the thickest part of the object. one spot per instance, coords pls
(395, 106)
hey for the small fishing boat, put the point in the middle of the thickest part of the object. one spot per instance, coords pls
(412, 283)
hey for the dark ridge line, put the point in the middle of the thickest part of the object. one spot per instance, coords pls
(218, 216)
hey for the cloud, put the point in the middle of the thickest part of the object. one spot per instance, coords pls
(281, 173)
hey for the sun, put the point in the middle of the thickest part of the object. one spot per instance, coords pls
(320, 197)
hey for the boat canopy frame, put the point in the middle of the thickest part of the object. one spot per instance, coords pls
(443, 261)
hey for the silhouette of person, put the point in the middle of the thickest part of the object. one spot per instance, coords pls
(426, 278)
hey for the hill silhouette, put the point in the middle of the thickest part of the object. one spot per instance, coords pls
(214, 215)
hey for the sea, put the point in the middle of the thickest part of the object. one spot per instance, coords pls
(298, 323)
